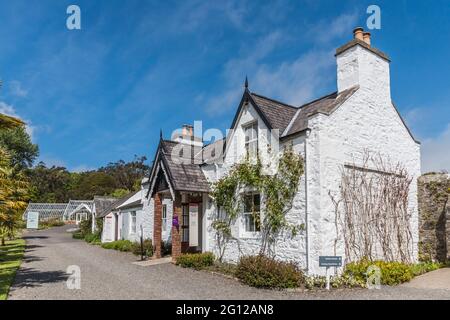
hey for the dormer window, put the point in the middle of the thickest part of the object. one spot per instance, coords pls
(251, 139)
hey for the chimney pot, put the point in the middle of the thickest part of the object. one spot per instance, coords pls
(366, 37)
(188, 130)
(358, 33)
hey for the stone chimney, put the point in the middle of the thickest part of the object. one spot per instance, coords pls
(360, 64)
(187, 130)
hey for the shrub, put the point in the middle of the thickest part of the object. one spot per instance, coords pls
(424, 267)
(93, 237)
(392, 273)
(120, 245)
(264, 272)
(196, 260)
(55, 222)
(77, 235)
(148, 248)
(86, 227)
(343, 281)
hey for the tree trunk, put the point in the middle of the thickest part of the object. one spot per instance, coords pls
(3, 241)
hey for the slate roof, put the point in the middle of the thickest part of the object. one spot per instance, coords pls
(277, 113)
(101, 203)
(184, 176)
(136, 203)
(210, 154)
(325, 105)
(107, 209)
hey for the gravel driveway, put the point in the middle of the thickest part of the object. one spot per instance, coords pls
(108, 274)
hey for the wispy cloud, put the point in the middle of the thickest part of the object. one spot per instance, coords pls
(16, 89)
(435, 152)
(294, 81)
(327, 30)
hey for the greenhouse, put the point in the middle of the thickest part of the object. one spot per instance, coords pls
(75, 210)
(47, 211)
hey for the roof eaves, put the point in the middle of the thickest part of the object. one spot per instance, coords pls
(361, 43)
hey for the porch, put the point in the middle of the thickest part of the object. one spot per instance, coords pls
(186, 228)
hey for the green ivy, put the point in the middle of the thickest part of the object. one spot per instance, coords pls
(277, 191)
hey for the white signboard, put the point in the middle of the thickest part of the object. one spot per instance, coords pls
(193, 225)
(33, 220)
(108, 228)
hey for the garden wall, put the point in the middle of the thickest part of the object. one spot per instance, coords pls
(434, 217)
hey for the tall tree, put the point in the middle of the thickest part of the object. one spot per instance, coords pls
(14, 193)
(17, 143)
(125, 174)
(50, 184)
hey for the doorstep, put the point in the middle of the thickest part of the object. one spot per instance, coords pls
(153, 262)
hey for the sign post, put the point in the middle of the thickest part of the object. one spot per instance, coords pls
(327, 262)
(33, 220)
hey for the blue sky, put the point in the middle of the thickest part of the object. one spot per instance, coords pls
(102, 93)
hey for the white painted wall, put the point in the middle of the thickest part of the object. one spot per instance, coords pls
(366, 121)
(288, 248)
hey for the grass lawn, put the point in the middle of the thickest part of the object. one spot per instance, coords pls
(10, 259)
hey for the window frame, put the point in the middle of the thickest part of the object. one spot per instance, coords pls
(253, 128)
(133, 216)
(256, 232)
(164, 217)
(185, 223)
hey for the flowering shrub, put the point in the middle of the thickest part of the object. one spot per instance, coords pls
(264, 272)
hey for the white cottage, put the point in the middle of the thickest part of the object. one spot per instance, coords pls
(331, 133)
(129, 217)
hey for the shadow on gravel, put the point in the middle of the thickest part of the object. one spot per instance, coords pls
(29, 277)
(34, 237)
(32, 246)
(29, 258)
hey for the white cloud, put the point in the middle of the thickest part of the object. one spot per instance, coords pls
(10, 111)
(326, 30)
(295, 81)
(17, 89)
(436, 152)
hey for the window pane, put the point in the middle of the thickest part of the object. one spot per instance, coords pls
(247, 203)
(257, 202)
(249, 223)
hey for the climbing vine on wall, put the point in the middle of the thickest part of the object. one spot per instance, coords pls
(373, 213)
(277, 194)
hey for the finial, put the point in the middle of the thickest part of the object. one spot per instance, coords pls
(246, 82)
(160, 134)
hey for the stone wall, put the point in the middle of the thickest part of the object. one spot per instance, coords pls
(434, 218)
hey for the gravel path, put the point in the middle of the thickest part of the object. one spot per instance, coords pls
(108, 274)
